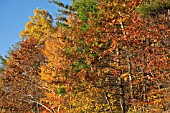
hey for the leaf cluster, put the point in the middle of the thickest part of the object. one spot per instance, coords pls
(153, 8)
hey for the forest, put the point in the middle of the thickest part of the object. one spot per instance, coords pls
(95, 56)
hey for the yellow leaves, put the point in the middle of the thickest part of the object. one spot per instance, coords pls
(50, 95)
(46, 77)
(89, 82)
(106, 70)
(124, 5)
(91, 100)
(124, 76)
(52, 71)
(39, 26)
(89, 60)
(71, 20)
(47, 74)
(115, 4)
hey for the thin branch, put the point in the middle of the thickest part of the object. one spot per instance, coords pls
(108, 102)
(121, 24)
(48, 89)
(43, 106)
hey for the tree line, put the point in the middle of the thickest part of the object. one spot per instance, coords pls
(108, 56)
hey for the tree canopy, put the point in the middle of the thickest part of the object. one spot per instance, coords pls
(108, 56)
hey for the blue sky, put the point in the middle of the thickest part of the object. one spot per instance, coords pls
(14, 15)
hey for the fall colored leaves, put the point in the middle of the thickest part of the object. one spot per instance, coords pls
(114, 61)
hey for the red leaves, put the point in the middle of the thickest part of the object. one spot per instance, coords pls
(21, 74)
(118, 54)
(82, 74)
(116, 73)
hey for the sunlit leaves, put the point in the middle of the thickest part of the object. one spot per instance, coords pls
(21, 77)
(39, 26)
(116, 62)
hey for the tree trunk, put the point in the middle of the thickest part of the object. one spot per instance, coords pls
(121, 94)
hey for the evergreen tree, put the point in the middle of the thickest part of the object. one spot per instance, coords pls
(85, 7)
(153, 8)
(2, 64)
(64, 11)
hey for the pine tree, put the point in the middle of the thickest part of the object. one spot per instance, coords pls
(153, 8)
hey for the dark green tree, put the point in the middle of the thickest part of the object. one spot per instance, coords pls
(64, 11)
(85, 7)
(153, 8)
(2, 64)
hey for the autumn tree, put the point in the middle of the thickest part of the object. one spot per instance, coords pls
(103, 58)
(22, 72)
(21, 78)
(84, 49)
(39, 26)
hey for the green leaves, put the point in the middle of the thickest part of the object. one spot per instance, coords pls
(2, 64)
(68, 50)
(154, 8)
(97, 61)
(2, 60)
(78, 65)
(6, 107)
(60, 91)
(85, 7)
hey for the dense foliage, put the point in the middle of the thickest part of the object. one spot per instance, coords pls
(103, 56)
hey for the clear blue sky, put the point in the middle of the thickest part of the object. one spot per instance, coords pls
(14, 15)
